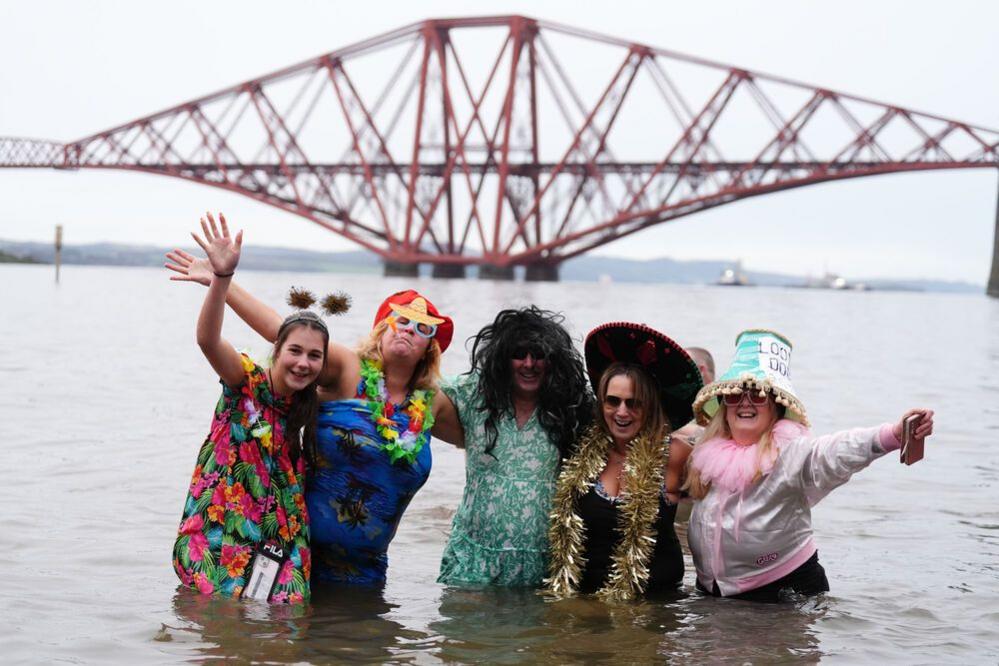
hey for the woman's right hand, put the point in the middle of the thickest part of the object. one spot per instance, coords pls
(191, 268)
(222, 249)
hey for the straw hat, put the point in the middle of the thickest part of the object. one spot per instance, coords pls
(411, 305)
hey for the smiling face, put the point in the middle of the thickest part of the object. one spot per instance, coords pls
(528, 373)
(298, 360)
(748, 420)
(624, 412)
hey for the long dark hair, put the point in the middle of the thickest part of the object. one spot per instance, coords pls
(564, 402)
(300, 430)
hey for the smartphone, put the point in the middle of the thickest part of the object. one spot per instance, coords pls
(912, 447)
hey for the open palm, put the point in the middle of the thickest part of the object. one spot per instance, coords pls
(221, 248)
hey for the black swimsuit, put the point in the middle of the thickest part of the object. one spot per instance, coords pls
(599, 514)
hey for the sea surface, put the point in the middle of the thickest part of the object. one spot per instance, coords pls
(105, 399)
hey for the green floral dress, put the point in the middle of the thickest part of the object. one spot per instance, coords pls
(500, 532)
(246, 490)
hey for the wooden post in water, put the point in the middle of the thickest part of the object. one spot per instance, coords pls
(58, 250)
(992, 289)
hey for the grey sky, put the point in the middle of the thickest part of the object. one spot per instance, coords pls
(70, 69)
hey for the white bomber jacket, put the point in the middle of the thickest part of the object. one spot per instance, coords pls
(744, 540)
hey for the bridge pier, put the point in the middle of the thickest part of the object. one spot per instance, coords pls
(541, 273)
(401, 269)
(992, 288)
(494, 272)
(448, 271)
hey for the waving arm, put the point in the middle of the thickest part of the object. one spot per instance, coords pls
(223, 256)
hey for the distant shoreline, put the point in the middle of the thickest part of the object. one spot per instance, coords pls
(587, 268)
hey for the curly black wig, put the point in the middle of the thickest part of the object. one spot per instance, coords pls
(565, 403)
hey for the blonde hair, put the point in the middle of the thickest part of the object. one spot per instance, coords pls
(427, 372)
(655, 425)
(718, 427)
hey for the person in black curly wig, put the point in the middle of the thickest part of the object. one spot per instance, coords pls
(526, 363)
(522, 406)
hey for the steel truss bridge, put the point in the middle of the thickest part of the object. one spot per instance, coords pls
(505, 141)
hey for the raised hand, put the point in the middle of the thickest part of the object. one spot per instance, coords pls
(191, 268)
(221, 248)
(923, 429)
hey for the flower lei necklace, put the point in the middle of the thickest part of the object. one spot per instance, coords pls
(636, 517)
(399, 446)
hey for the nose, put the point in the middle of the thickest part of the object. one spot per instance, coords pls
(529, 360)
(621, 409)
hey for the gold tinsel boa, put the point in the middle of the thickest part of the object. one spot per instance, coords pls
(636, 517)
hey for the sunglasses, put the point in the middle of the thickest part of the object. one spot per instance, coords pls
(614, 402)
(755, 398)
(421, 329)
(522, 352)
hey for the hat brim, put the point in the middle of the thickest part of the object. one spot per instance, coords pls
(708, 400)
(673, 370)
(415, 315)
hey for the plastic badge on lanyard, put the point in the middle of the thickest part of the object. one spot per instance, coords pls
(266, 565)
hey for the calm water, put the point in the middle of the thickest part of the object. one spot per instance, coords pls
(105, 399)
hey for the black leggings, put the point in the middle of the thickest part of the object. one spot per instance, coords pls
(808, 579)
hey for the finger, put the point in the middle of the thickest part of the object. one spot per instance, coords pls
(197, 239)
(175, 269)
(239, 240)
(211, 221)
(206, 230)
(187, 256)
(225, 226)
(176, 258)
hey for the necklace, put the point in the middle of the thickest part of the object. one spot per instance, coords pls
(637, 514)
(399, 445)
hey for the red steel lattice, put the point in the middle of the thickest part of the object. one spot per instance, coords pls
(508, 141)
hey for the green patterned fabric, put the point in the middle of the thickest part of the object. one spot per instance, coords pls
(500, 532)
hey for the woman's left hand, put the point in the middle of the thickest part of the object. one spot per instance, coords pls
(222, 249)
(923, 429)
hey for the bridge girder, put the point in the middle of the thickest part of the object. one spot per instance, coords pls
(506, 140)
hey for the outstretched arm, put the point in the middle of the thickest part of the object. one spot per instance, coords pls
(258, 315)
(223, 256)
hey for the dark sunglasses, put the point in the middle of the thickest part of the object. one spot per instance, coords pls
(755, 398)
(614, 402)
(522, 352)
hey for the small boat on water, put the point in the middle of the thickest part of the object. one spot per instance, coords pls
(733, 277)
(836, 282)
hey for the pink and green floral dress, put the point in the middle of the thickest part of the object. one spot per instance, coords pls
(246, 491)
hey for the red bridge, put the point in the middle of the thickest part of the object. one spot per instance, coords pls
(504, 141)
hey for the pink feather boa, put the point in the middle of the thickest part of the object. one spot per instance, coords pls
(732, 466)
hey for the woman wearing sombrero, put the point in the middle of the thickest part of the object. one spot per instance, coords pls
(615, 500)
(758, 471)
(378, 405)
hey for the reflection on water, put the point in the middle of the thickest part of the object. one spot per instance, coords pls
(105, 400)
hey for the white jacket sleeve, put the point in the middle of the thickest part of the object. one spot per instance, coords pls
(818, 466)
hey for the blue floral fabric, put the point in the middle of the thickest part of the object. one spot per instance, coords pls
(356, 495)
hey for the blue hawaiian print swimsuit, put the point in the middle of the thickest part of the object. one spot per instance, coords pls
(355, 496)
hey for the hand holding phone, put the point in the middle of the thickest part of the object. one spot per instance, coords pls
(912, 446)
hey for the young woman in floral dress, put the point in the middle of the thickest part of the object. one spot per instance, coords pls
(247, 489)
